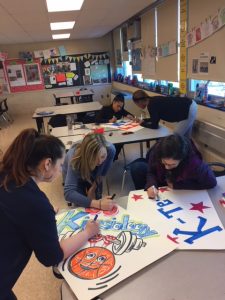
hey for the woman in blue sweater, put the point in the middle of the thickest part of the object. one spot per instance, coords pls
(27, 219)
(85, 165)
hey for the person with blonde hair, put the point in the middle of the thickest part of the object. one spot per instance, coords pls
(85, 165)
(27, 219)
(179, 110)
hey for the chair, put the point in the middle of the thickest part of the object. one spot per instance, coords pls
(218, 168)
(4, 115)
(128, 167)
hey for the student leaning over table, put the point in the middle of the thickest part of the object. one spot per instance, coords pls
(27, 219)
(173, 161)
(181, 111)
(85, 165)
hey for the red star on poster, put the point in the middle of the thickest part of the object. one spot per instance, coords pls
(163, 189)
(173, 239)
(137, 197)
(198, 206)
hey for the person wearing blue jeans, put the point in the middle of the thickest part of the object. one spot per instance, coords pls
(179, 110)
(84, 166)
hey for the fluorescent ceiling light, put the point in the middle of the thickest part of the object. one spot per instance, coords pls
(62, 25)
(61, 36)
(64, 5)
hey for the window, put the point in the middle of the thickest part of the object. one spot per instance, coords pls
(215, 88)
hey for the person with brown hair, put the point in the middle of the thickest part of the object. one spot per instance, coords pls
(85, 165)
(167, 108)
(27, 219)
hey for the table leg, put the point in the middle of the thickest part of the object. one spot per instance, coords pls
(141, 149)
(40, 125)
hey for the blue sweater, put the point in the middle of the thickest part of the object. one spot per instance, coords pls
(74, 186)
(27, 224)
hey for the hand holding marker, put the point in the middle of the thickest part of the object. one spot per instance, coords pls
(155, 193)
(113, 196)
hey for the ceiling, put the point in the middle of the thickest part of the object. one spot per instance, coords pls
(28, 21)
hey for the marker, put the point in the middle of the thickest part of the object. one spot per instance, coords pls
(156, 196)
(95, 218)
(113, 196)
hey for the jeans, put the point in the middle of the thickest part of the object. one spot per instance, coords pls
(185, 127)
(138, 170)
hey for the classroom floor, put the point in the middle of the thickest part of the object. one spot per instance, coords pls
(38, 282)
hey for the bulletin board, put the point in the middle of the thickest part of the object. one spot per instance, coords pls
(24, 76)
(76, 70)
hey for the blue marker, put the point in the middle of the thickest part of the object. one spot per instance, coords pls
(95, 218)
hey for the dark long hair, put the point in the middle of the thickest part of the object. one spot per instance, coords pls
(175, 147)
(24, 154)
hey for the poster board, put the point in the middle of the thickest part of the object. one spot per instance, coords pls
(76, 70)
(24, 76)
(189, 217)
(124, 246)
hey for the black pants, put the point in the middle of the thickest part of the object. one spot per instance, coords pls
(11, 296)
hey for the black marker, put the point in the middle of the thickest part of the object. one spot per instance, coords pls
(95, 218)
(113, 196)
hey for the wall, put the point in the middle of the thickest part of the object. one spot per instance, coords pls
(26, 103)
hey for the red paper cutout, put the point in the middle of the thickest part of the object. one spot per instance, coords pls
(199, 206)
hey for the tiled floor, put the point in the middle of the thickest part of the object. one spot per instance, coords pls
(37, 282)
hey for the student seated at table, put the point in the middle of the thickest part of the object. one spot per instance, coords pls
(171, 109)
(85, 165)
(112, 113)
(27, 219)
(173, 161)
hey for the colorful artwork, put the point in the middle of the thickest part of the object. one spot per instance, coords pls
(109, 257)
(124, 125)
(188, 217)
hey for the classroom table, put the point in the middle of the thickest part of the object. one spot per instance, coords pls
(83, 95)
(115, 136)
(80, 96)
(181, 275)
(59, 96)
(47, 112)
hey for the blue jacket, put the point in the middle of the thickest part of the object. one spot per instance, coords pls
(74, 186)
(27, 224)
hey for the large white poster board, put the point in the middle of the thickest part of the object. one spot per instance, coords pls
(188, 217)
(124, 246)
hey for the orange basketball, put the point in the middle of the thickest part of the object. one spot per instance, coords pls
(91, 263)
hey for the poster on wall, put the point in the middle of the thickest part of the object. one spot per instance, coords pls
(76, 70)
(16, 75)
(23, 76)
(32, 73)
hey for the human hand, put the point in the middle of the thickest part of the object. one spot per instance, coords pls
(92, 228)
(152, 192)
(107, 203)
(130, 117)
(170, 184)
(113, 120)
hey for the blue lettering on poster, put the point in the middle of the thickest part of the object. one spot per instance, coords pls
(194, 235)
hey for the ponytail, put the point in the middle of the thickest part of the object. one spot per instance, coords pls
(25, 153)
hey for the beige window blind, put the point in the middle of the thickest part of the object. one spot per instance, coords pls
(117, 47)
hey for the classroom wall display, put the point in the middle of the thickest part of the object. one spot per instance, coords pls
(136, 59)
(124, 246)
(206, 28)
(76, 70)
(23, 76)
(4, 87)
(189, 217)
